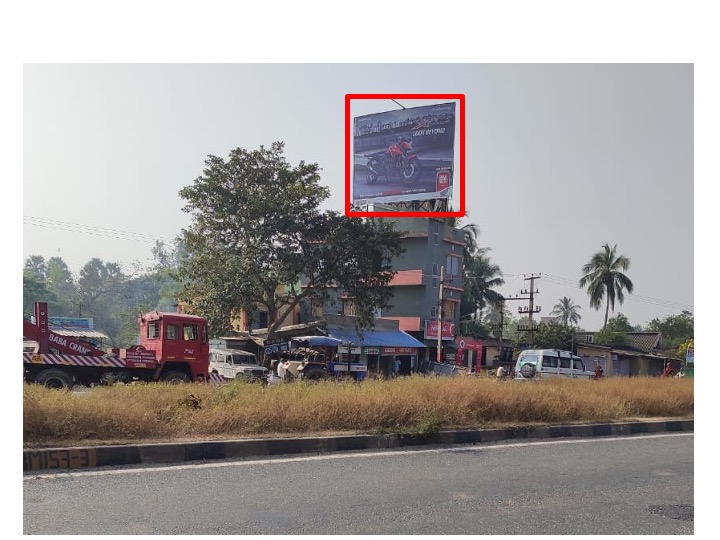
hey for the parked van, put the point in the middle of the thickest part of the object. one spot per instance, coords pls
(544, 363)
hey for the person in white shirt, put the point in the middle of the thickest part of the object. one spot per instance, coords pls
(281, 369)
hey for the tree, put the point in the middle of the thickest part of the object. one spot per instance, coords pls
(257, 231)
(604, 279)
(675, 329)
(62, 283)
(480, 278)
(100, 287)
(567, 311)
(610, 338)
(619, 323)
(554, 336)
(34, 290)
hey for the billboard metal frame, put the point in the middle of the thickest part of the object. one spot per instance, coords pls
(352, 211)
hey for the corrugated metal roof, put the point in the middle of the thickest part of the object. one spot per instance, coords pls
(81, 333)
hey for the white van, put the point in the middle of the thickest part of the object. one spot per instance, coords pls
(545, 363)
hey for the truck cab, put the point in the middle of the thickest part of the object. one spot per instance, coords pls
(179, 341)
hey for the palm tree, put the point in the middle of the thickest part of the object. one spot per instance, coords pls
(480, 278)
(566, 311)
(604, 278)
(471, 232)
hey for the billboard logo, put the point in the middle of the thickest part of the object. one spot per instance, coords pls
(442, 180)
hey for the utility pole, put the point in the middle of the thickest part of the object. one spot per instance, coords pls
(439, 314)
(500, 330)
(532, 308)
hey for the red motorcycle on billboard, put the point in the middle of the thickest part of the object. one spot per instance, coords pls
(398, 161)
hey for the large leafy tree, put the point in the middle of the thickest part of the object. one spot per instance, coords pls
(100, 286)
(603, 277)
(257, 232)
(34, 290)
(675, 329)
(566, 311)
(58, 289)
(554, 336)
(619, 323)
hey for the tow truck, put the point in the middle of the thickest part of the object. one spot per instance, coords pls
(173, 348)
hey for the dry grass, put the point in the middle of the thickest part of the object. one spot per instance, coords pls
(159, 412)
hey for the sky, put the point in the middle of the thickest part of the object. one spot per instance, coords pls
(587, 123)
(560, 159)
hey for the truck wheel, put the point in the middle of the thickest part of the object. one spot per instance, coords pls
(55, 378)
(175, 377)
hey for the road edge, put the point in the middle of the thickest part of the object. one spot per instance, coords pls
(56, 459)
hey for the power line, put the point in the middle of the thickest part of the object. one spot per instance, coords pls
(88, 229)
(560, 280)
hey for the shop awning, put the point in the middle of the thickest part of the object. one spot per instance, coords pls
(375, 338)
(315, 341)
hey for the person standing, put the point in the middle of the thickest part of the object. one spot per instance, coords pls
(668, 371)
(598, 372)
(281, 369)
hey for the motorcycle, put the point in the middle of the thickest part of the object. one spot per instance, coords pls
(397, 161)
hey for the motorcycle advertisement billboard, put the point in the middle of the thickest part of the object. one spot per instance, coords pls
(404, 155)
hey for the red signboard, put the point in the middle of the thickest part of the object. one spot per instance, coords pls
(431, 330)
(442, 180)
(469, 344)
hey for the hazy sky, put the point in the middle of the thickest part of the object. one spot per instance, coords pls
(560, 158)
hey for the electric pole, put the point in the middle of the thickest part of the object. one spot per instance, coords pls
(532, 308)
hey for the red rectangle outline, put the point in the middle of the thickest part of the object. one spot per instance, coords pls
(461, 100)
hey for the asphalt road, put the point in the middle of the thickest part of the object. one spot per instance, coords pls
(642, 484)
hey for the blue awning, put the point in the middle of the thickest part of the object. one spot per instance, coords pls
(375, 338)
(315, 341)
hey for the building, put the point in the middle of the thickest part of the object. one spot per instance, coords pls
(639, 355)
(385, 349)
(431, 248)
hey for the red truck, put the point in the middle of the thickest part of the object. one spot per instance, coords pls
(174, 347)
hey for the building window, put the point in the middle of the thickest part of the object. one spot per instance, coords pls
(588, 339)
(348, 308)
(452, 265)
(433, 312)
(435, 282)
(435, 269)
(437, 239)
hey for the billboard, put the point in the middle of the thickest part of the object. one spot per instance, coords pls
(402, 155)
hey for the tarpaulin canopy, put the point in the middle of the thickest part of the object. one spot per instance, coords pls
(316, 341)
(375, 338)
